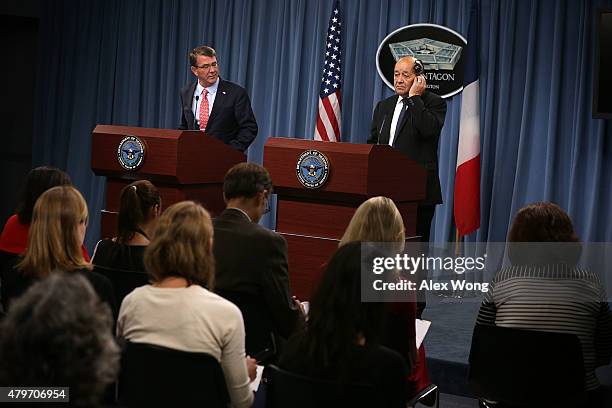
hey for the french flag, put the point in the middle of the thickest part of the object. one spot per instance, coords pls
(467, 178)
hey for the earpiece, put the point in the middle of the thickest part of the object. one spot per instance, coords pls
(419, 69)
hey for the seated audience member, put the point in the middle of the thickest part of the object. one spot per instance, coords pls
(545, 290)
(139, 208)
(179, 310)
(378, 220)
(58, 334)
(14, 236)
(59, 222)
(251, 261)
(341, 339)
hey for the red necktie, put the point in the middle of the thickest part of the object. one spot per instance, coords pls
(204, 110)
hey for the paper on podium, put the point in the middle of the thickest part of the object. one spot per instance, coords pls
(254, 385)
(422, 326)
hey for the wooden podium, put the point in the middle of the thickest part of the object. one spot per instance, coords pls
(313, 220)
(183, 165)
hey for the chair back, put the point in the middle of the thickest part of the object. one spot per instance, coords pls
(158, 376)
(286, 389)
(525, 368)
(258, 325)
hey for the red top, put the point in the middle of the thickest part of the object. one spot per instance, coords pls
(14, 238)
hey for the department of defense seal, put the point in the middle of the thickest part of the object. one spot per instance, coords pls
(131, 153)
(312, 169)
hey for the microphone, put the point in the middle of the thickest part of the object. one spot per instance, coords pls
(381, 127)
(195, 121)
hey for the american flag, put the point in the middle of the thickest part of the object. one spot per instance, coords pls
(330, 94)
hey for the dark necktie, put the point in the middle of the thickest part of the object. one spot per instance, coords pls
(400, 120)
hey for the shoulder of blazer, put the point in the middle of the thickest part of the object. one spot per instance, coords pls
(389, 103)
(188, 90)
(429, 97)
(230, 87)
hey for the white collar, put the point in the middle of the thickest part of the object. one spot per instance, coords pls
(211, 89)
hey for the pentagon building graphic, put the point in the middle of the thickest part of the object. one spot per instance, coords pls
(434, 54)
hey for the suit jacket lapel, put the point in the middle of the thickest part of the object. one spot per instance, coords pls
(400, 126)
(386, 127)
(221, 94)
(189, 100)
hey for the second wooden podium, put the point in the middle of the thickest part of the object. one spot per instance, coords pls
(313, 220)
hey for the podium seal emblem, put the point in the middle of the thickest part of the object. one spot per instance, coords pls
(312, 169)
(131, 153)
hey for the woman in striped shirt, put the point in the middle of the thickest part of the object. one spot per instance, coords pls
(545, 290)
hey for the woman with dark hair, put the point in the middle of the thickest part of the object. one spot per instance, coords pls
(55, 239)
(341, 339)
(139, 208)
(15, 233)
(545, 290)
(178, 310)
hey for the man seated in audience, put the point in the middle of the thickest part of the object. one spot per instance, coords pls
(251, 261)
(544, 289)
(58, 334)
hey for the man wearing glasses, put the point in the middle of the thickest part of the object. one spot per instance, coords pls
(220, 108)
(251, 268)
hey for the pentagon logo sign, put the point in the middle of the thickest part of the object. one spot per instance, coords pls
(438, 47)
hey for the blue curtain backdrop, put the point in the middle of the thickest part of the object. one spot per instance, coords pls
(123, 62)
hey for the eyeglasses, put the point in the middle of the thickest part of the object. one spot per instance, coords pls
(267, 205)
(207, 66)
(266, 202)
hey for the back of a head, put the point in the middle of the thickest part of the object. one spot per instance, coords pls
(59, 334)
(376, 220)
(337, 314)
(182, 245)
(542, 233)
(53, 239)
(245, 180)
(136, 202)
(542, 222)
(39, 180)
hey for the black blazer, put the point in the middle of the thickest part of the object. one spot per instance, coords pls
(231, 119)
(252, 260)
(418, 135)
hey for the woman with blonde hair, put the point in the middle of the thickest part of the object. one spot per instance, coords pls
(178, 310)
(378, 220)
(57, 231)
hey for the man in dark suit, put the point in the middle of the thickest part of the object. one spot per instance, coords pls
(411, 121)
(220, 108)
(251, 261)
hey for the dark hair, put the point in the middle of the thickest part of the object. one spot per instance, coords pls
(542, 222)
(337, 315)
(39, 180)
(59, 334)
(135, 203)
(201, 50)
(246, 180)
